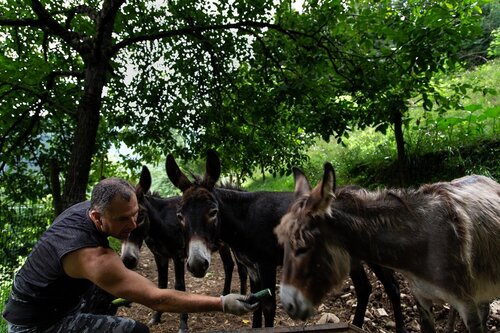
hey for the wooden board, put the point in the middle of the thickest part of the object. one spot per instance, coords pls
(326, 328)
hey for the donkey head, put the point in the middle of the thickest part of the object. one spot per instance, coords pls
(311, 266)
(198, 212)
(131, 247)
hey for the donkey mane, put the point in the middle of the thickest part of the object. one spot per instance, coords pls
(154, 194)
(231, 186)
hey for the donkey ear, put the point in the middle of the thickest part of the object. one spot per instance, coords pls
(322, 195)
(302, 185)
(175, 174)
(329, 180)
(145, 180)
(212, 171)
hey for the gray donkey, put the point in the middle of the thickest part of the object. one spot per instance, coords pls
(444, 238)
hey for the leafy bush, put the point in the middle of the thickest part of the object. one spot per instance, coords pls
(20, 228)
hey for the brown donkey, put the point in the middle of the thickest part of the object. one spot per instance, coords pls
(444, 238)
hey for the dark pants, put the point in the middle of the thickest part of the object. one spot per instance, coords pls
(95, 314)
(86, 322)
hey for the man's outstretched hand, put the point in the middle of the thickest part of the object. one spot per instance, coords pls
(237, 304)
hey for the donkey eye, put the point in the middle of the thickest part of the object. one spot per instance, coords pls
(140, 219)
(212, 214)
(180, 218)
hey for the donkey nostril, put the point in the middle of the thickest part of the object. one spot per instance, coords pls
(205, 264)
(290, 308)
(129, 262)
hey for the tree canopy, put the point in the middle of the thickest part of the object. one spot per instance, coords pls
(255, 80)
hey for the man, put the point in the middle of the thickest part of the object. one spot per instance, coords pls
(74, 254)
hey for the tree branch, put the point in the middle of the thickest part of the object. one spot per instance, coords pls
(200, 29)
(23, 136)
(35, 23)
(43, 97)
(75, 40)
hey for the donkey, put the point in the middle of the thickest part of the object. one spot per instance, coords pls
(443, 237)
(245, 221)
(157, 225)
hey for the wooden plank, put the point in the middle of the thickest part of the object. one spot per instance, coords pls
(325, 328)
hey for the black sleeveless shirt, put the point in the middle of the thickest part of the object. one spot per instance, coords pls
(42, 293)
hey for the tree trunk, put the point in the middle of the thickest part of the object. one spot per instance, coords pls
(96, 59)
(55, 186)
(397, 120)
(85, 137)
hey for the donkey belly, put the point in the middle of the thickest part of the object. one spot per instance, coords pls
(486, 290)
(430, 291)
(483, 290)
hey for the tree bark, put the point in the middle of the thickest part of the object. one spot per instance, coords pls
(85, 137)
(96, 59)
(397, 120)
(55, 186)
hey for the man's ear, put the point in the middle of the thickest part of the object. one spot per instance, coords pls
(95, 215)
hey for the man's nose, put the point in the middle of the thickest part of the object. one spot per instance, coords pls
(133, 221)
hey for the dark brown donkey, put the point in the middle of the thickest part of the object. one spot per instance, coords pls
(158, 227)
(245, 221)
(444, 238)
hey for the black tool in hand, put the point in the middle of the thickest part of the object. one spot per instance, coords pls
(258, 296)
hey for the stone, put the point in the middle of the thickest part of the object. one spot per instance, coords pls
(390, 324)
(380, 312)
(328, 318)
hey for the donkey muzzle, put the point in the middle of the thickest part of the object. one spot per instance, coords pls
(294, 302)
(199, 258)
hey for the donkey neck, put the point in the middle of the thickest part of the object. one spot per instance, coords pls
(162, 215)
(245, 215)
(241, 205)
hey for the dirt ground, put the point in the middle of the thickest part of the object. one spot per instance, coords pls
(340, 303)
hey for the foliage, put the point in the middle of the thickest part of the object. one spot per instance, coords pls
(6, 279)
(254, 80)
(441, 146)
(165, 67)
(359, 63)
(20, 228)
(494, 48)
(476, 52)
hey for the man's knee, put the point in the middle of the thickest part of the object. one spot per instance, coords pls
(140, 328)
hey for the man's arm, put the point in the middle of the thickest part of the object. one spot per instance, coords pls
(104, 268)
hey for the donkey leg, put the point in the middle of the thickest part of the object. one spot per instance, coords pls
(363, 290)
(162, 268)
(257, 314)
(268, 304)
(180, 285)
(424, 306)
(450, 323)
(484, 311)
(228, 263)
(474, 315)
(391, 286)
(243, 274)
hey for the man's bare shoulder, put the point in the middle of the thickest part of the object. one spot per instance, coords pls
(82, 262)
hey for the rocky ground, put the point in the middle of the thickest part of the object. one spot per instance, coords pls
(338, 305)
